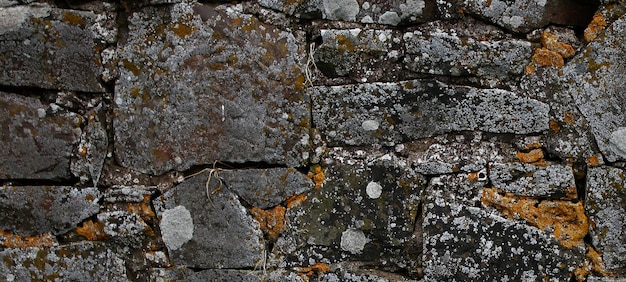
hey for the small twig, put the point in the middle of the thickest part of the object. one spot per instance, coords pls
(212, 171)
(308, 70)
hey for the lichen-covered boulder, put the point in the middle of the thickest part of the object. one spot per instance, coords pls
(391, 113)
(201, 83)
(208, 228)
(37, 140)
(46, 47)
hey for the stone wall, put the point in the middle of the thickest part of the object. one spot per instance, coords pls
(313, 140)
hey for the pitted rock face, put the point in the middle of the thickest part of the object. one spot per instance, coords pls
(210, 84)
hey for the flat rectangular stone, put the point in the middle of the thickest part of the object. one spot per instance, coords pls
(50, 48)
(552, 180)
(36, 140)
(391, 113)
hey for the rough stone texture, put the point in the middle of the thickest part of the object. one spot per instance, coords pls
(178, 274)
(265, 188)
(445, 53)
(390, 113)
(92, 149)
(220, 225)
(596, 83)
(37, 139)
(552, 180)
(49, 48)
(340, 221)
(194, 75)
(461, 237)
(85, 261)
(34, 210)
(606, 206)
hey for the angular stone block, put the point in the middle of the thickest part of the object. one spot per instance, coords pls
(200, 84)
(265, 188)
(34, 210)
(551, 181)
(443, 53)
(465, 242)
(36, 140)
(391, 113)
(606, 206)
(51, 48)
(85, 261)
(208, 231)
(365, 210)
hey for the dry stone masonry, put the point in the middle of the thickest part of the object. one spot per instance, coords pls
(312, 140)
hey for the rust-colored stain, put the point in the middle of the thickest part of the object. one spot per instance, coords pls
(593, 161)
(307, 272)
(73, 19)
(272, 221)
(17, 241)
(554, 125)
(295, 200)
(569, 118)
(545, 58)
(530, 69)
(92, 230)
(597, 24)
(567, 219)
(317, 175)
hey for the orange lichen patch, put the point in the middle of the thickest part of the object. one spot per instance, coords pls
(534, 156)
(593, 161)
(554, 125)
(473, 176)
(530, 69)
(295, 200)
(550, 41)
(544, 57)
(569, 118)
(317, 175)
(73, 19)
(272, 221)
(593, 263)
(567, 219)
(307, 272)
(92, 230)
(597, 24)
(16, 241)
(533, 145)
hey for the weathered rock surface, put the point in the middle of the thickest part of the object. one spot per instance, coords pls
(522, 179)
(86, 261)
(34, 210)
(228, 83)
(365, 210)
(595, 82)
(37, 139)
(606, 206)
(50, 48)
(391, 113)
(265, 188)
(195, 222)
(461, 238)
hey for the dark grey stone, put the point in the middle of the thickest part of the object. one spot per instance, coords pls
(549, 181)
(37, 140)
(34, 210)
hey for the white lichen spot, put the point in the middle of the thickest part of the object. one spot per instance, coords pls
(353, 241)
(390, 18)
(374, 190)
(514, 21)
(370, 125)
(41, 113)
(617, 142)
(176, 227)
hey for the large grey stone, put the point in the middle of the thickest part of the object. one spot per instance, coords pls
(391, 113)
(596, 82)
(199, 84)
(34, 210)
(37, 140)
(446, 53)
(208, 231)
(463, 241)
(265, 188)
(365, 210)
(606, 206)
(84, 261)
(49, 48)
(549, 181)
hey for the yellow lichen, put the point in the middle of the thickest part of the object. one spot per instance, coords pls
(569, 118)
(307, 272)
(593, 161)
(534, 156)
(567, 219)
(550, 41)
(593, 263)
(92, 230)
(73, 19)
(544, 57)
(317, 175)
(295, 200)
(16, 241)
(554, 125)
(597, 24)
(530, 69)
(272, 221)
